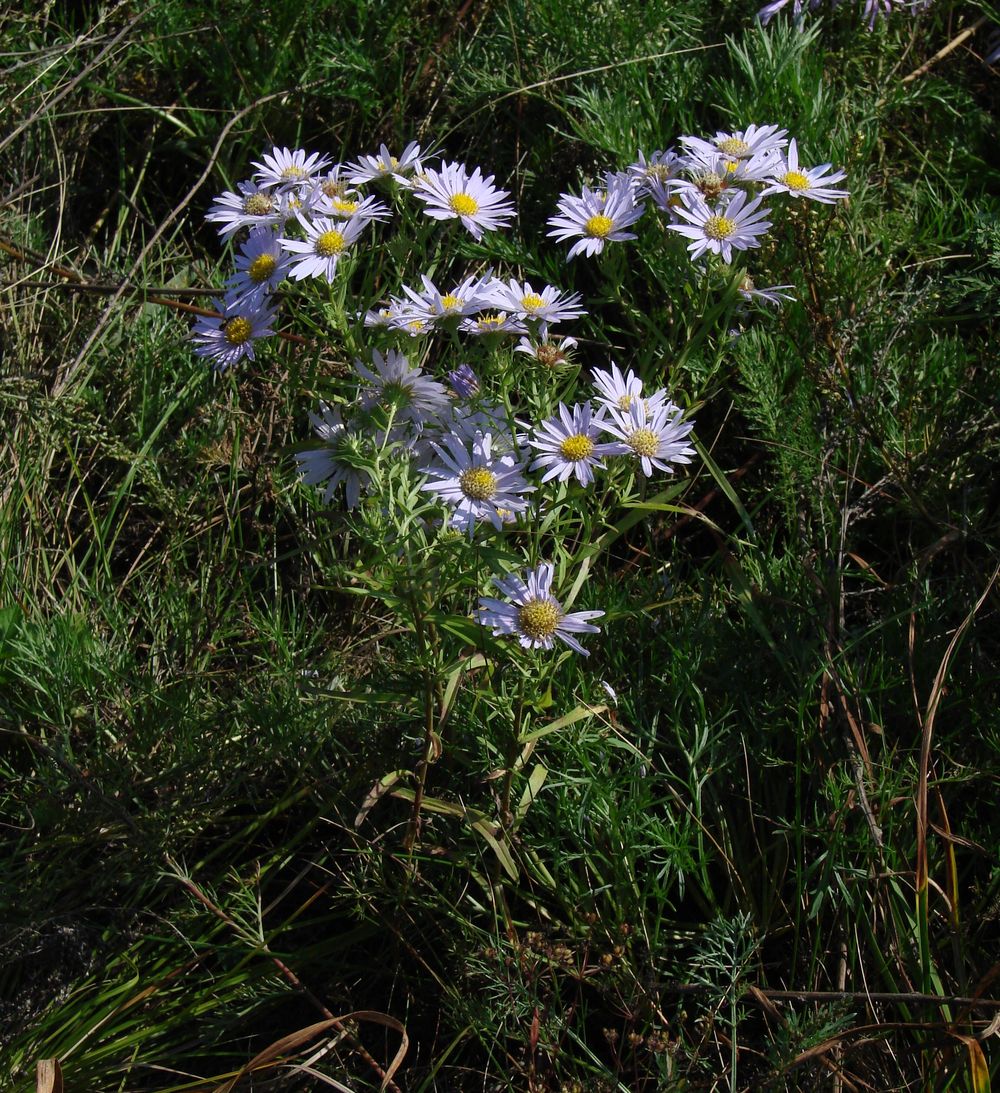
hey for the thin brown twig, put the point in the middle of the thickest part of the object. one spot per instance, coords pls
(945, 50)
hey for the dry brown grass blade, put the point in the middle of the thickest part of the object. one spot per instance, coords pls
(48, 1076)
(295, 1040)
(933, 701)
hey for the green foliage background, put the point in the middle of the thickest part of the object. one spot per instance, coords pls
(192, 714)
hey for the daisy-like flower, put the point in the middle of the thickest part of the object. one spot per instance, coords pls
(252, 207)
(331, 463)
(736, 225)
(546, 307)
(569, 445)
(774, 295)
(660, 168)
(384, 165)
(771, 9)
(476, 483)
(395, 384)
(261, 266)
(325, 244)
(620, 392)
(656, 438)
(533, 614)
(228, 338)
(350, 207)
(453, 194)
(285, 168)
(787, 177)
(755, 140)
(493, 322)
(433, 306)
(551, 353)
(596, 217)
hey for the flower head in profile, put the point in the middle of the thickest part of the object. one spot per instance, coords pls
(453, 194)
(396, 385)
(545, 307)
(228, 337)
(569, 445)
(434, 307)
(774, 294)
(386, 165)
(656, 439)
(597, 217)
(464, 382)
(285, 168)
(741, 144)
(620, 391)
(787, 177)
(723, 229)
(533, 614)
(478, 484)
(550, 352)
(330, 465)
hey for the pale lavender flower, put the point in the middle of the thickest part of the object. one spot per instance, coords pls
(787, 177)
(331, 464)
(775, 294)
(228, 338)
(550, 352)
(740, 144)
(434, 307)
(569, 445)
(596, 217)
(477, 483)
(252, 207)
(546, 307)
(261, 266)
(621, 391)
(385, 165)
(453, 194)
(533, 614)
(286, 168)
(656, 440)
(736, 225)
(326, 242)
(648, 175)
(397, 385)
(493, 322)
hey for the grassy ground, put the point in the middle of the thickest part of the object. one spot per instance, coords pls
(796, 791)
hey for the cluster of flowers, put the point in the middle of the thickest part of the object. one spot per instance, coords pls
(710, 192)
(872, 8)
(302, 214)
(477, 461)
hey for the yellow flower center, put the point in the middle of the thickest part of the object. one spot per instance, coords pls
(478, 483)
(416, 325)
(644, 442)
(237, 331)
(538, 618)
(532, 302)
(576, 447)
(599, 226)
(625, 401)
(719, 227)
(291, 172)
(488, 322)
(343, 206)
(659, 171)
(258, 205)
(463, 204)
(796, 180)
(451, 303)
(733, 146)
(261, 268)
(329, 243)
(730, 165)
